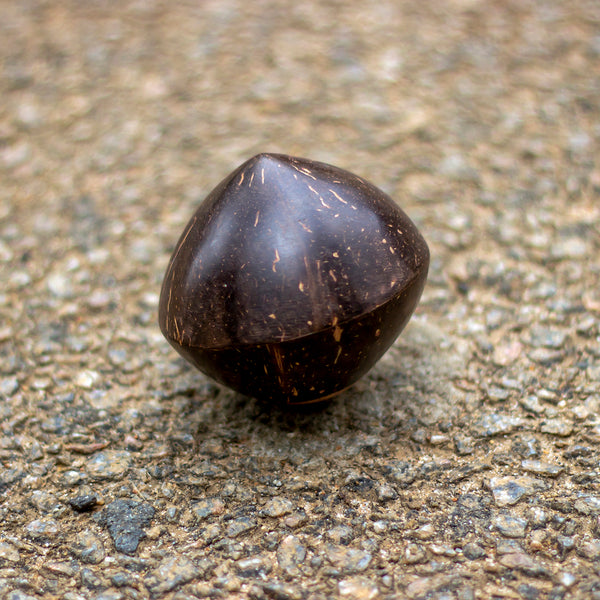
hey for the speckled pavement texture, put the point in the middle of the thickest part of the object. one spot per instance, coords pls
(465, 465)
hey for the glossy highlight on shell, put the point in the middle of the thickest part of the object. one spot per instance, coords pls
(291, 280)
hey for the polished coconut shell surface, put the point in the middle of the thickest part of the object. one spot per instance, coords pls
(292, 279)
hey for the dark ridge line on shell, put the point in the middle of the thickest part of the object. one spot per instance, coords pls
(306, 335)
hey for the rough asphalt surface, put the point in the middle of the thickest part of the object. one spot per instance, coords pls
(465, 465)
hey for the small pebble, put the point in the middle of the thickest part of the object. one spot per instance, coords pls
(541, 468)
(577, 451)
(527, 446)
(240, 525)
(42, 529)
(497, 394)
(546, 356)
(509, 490)
(358, 588)
(60, 285)
(84, 503)
(572, 247)
(425, 532)
(208, 507)
(548, 395)
(510, 526)
(109, 464)
(493, 424)
(290, 555)
(340, 534)
(522, 562)
(419, 436)
(437, 439)
(44, 501)
(8, 386)
(565, 544)
(211, 533)
(88, 547)
(414, 553)
(122, 579)
(110, 595)
(558, 427)
(171, 573)
(19, 280)
(464, 445)
(9, 553)
(282, 591)
(586, 325)
(537, 517)
(547, 338)
(588, 504)
(277, 507)
(19, 595)
(253, 566)
(508, 546)
(99, 300)
(69, 569)
(473, 551)
(442, 550)
(567, 579)
(6, 254)
(532, 404)
(506, 353)
(297, 519)
(73, 478)
(589, 548)
(348, 560)
(380, 526)
(386, 493)
(86, 379)
(538, 540)
(126, 521)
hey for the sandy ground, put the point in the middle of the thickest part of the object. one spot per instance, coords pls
(464, 466)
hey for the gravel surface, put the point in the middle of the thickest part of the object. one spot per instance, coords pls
(464, 466)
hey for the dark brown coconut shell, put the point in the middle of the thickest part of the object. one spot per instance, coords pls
(292, 279)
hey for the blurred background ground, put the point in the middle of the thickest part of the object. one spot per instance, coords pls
(464, 466)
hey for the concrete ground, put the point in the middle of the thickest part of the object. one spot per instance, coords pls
(465, 465)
